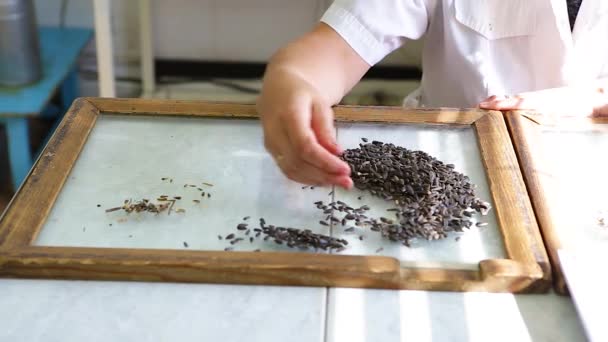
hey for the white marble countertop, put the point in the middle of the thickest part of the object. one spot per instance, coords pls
(121, 160)
(70, 311)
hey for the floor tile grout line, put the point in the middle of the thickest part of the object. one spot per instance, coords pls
(328, 289)
(325, 328)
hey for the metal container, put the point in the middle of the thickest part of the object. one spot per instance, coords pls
(19, 44)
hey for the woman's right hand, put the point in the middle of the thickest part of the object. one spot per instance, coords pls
(299, 131)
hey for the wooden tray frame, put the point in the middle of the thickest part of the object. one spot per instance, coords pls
(525, 128)
(525, 270)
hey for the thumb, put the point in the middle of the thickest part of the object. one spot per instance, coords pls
(323, 126)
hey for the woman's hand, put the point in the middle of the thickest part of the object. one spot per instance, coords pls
(302, 81)
(299, 131)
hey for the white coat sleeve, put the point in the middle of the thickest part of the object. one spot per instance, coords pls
(375, 28)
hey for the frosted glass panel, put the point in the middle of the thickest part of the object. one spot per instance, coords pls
(147, 157)
(578, 162)
(456, 146)
(127, 157)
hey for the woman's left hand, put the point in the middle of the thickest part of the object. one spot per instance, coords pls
(567, 101)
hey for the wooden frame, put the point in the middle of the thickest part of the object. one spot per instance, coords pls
(525, 270)
(525, 129)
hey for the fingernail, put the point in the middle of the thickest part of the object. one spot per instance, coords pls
(347, 183)
(337, 147)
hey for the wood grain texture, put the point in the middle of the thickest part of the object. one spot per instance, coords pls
(265, 268)
(512, 205)
(31, 205)
(449, 116)
(526, 135)
(431, 116)
(524, 272)
(159, 107)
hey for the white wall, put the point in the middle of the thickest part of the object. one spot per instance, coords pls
(227, 30)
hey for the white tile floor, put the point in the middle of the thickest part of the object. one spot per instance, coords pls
(368, 92)
(365, 93)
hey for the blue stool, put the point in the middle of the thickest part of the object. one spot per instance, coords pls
(60, 49)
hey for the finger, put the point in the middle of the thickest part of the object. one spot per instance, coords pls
(511, 103)
(491, 98)
(601, 111)
(322, 124)
(305, 145)
(302, 172)
(294, 167)
(273, 137)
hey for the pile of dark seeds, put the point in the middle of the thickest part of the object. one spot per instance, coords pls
(431, 198)
(290, 237)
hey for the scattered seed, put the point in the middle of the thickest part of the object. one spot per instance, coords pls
(481, 224)
(185, 244)
(245, 218)
(229, 236)
(196, 201)
(379, 249)
(228, 249)
(207, 184)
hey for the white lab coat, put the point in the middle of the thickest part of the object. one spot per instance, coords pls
(477, 48)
